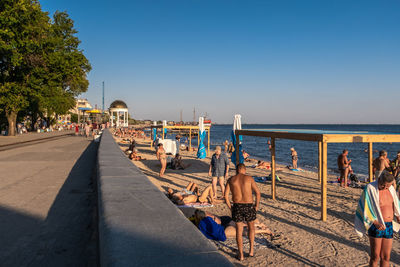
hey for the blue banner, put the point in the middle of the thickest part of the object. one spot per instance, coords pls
(201, 151)
(154, 134)
(233, 157)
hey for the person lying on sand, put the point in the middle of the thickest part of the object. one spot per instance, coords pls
(246, 156)
(229, 225)
(134, 156)
(263, 165)
(191, 194)
(177, 163)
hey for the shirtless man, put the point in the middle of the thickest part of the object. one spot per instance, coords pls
(380, 164)
(395, 164)
(381, 236)
(344, 167)
(243, 208)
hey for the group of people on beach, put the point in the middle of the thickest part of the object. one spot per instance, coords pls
(243, 208)
(378, 219)
(380, 164)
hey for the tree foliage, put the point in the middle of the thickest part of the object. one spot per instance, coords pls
(42, 69)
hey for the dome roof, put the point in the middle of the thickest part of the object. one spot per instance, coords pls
(118, 104)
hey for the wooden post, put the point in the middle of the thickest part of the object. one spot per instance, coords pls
(208, 144)
(319, 161)
(163, 132)
(324, 181)
(190, 139)
(370, 161)
(198, 138)
(237, 150)
(273, 188)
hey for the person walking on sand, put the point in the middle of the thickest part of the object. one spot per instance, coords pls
(295, 158)
(162, 157)
(377, 208)
(219, 169)
(243, 209)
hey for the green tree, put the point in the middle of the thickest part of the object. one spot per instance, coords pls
(23, 27)
(74, 117)
(42, 69)
(66, 68)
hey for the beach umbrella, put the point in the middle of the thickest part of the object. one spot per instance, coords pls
(164, 123)
(201, 151)
(237, 125)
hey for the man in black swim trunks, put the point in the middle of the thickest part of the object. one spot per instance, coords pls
(243, 208)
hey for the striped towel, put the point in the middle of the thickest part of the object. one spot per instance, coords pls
(368, 209)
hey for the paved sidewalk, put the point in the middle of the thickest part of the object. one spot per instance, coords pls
(47, 203)
(8, 140)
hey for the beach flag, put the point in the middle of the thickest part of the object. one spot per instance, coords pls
(154, 131)
(164, 123)
(237, 125)
(201, 151)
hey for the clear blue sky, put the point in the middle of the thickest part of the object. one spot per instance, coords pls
(271, 61)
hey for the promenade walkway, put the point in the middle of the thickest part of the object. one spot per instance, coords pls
(31, 137)
(48, 202)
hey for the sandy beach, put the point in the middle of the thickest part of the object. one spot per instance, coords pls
(304, 239)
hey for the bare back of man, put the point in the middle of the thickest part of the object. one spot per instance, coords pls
(243, 209)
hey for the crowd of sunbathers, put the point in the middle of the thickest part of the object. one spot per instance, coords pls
(129, 133)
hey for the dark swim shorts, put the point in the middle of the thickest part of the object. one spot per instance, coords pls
(387, 233)
(243, 212)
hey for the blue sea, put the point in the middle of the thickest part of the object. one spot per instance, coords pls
(257, 147)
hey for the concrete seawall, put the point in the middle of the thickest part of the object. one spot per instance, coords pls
(138, 224)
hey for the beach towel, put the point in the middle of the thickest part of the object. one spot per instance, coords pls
(196, 205)
(368, 209)
(263, 179)
(212, 230)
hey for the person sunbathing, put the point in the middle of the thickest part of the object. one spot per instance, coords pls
(134, 156)
(246, 156)
(191, 194)
(177, 163)
(263, 165)
(229, 225)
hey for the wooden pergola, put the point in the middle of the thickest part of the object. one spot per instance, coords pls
(184, 127)
(323, 138)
